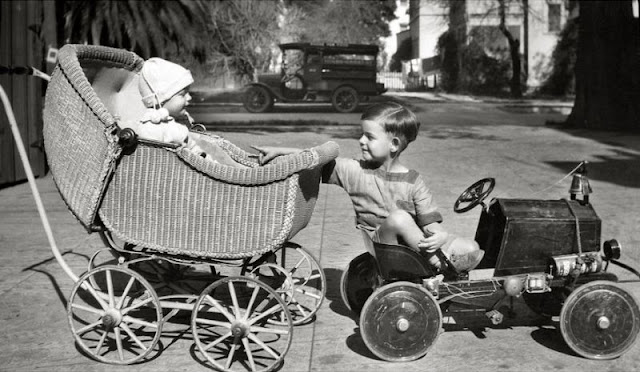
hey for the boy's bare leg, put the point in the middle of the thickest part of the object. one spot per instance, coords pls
(399, 228)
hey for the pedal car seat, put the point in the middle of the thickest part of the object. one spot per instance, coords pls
(397, 262)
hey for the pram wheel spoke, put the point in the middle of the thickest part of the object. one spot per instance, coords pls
(115, 315)
(240, 317)
(104, 256)
(294, 274)
(305, 286)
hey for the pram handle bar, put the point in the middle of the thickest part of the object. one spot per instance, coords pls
(23, 70)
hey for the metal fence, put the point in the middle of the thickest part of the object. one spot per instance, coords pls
(391, 80)
(399, 81)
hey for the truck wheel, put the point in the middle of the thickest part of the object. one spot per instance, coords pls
(345, 99)
(258, 99)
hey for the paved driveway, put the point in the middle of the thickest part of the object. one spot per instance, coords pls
(458, 145)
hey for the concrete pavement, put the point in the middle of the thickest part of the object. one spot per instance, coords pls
(458, 145)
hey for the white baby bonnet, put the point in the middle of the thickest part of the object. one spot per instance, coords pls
(161, 80)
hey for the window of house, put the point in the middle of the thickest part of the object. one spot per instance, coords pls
(554, 17)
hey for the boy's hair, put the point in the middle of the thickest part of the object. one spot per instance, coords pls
(160, 80)
(395, 119)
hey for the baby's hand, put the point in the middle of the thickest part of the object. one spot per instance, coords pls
(433, 242)
(156, 116)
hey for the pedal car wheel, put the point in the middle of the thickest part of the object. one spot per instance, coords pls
(400, 322)
(232, 329)
(299, 280)
(258, 99)
(600, 320)
(345, 99)
(358, 281)
(120, 320)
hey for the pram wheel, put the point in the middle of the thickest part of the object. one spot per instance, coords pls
(308, 281)
(298, 278)
(400, 322)
(102, 257)
(115, 315)
(235, 325)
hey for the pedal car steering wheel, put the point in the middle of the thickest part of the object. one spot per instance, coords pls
(474, 195)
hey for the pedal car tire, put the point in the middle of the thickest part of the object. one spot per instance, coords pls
(115, 315)
(400, 322)
(600, 320)
(358, 281)
(231, 328)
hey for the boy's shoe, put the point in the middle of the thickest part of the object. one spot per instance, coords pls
(467, 261)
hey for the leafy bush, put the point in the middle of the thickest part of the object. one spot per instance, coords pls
(480, 72)
(402, 54)
(483, 74)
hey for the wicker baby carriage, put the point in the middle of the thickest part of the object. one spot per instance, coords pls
(165, 211)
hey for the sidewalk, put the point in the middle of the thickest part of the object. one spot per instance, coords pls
(463, 98)
(528, 161)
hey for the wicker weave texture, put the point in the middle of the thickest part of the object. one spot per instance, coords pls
(77, 131)
(157, 201)
(171, 201)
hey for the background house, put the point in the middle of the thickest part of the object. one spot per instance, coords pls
(535, 23)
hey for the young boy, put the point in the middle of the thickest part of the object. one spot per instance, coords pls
(392, 202)
(164, 87)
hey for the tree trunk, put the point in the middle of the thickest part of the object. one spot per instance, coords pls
(514, 51)
(607, 80)
(458, 25)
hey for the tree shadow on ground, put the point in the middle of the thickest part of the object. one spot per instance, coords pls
(623, 171)
(620, 167)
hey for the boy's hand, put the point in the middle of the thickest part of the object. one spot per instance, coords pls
(435, 241)
(268, 153)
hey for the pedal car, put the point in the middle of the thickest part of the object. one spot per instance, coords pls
(547, 251)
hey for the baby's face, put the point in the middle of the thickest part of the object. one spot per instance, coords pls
(177, 104)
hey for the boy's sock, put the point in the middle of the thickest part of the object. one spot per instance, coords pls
(466, 262)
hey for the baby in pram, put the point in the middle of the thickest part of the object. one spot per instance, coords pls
(164, 87)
